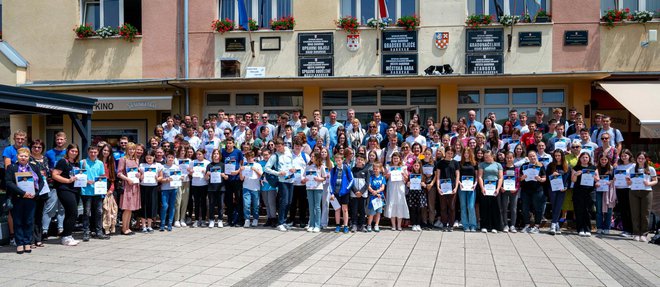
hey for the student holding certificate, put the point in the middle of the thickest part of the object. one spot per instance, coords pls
(23, 180)
(560, 170)
(151, 173)
(215, 175)
(416, 197)
(314, 178)
(341, 181)
(605, 195)
(93, 201)
(640, 199)
(69, 195)
(359, 193)
(199, 187)
(183, 160)
(508, 198)
(622, 182)
(130, 198)
(490, 170)
(531, 191)
(582, 194)
(447, 173)
(233, 186)
(250, 174)
(171, 181)
(397, 208)
(467, 195)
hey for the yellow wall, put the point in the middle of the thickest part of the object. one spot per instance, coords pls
(621, 49)
(448, 100)
(311, 101)
(197, 102)
(7, 72)
(579, 94)
(54, 53)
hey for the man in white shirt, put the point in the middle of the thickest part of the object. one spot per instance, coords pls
(295, 120)
(192, 139)
(415, 137)
(472, 120)
(303, 126)
(221, 124)
(239, 133)
(299, 199)
(523, 127)
(169, 132)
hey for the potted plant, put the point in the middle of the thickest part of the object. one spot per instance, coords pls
(107, 32)
(525, 18)
(642, 16)
(542, 16)
(378, 23)
(252, 23)
(477, 20)
(509, 20)
(409, 23)
(613, 16)
(128, 32)
(223, 25)
(349, 24)
(84, 31)
(284, 23)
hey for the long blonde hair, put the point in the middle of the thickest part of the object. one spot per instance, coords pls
(129, 146)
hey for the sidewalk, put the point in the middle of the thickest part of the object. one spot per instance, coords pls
(266, 257)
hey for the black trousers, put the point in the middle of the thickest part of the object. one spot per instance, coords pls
(234, 201)
(216, 199)
(582, 204)
(199, 201)
(357, 210)
(623, 207)
(38, 218)
(69, 200)
(299, 205)
(489, 211)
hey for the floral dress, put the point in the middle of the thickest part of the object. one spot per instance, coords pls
(130, 199)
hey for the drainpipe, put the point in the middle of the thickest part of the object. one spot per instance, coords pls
(185, 55)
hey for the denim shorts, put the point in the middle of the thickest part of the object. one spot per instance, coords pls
(373, 212)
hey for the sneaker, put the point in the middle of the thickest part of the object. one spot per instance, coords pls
(337, 229)
(69, 241)
(413, 227)
(438, 224)
(150, 230)
(86, 237)
(354, 228)
(493, 230)
(211, 224)
(183, 224)
(473, 229)
(195, 224)
(376, 228)
(247, 223)
(345, 229)
(177, 224)
(552, 228)
(484, 230)
(287, 226)
(581, 233)
(526, 229)
(625, 234)
(144, 230)
(316, 230)
(534, 230)
(12, 242)
(587, 234)
(455, 224)
(512, 229)
(282, 228)
(636, 238)
(220, 224)
(606, 231)
(368, 228)
(450, 229)
(169, 228)
(102, 236)
(309, 229)
(162, 228)
(255, 223)
(505, 229)
(643, 239)
(558, 229)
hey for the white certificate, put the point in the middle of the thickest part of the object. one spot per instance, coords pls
(297, 176)
(198, 170)
(427, 169)
(377, 203)
(513, 144)
(637, 181)
(81, 178)
(175, 178)
(620, 178)
(445, 186)
(216, 174)
(467, 183)
(557, 182)
(230, 166)
(334, 202)
(603, 183)
(561, 144)
(149, 175)
(531, 171)
(509, 183)
(100, 185)
(311, 183)
(131, 173)
(490, 186)
(415, 181)
(587, 178)
(247, 171)
(25, 182)
(396, 174)
(545, 161)
(183, 166)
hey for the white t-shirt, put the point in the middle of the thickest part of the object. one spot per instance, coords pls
(166, 174)
(419, 139)
(199, 181)
(144, 166)
(252, 179)
(320, 171)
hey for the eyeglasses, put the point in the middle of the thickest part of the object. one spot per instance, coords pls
(605, 138)
(405, 147)
(226, 133)
(372, 126)
(264, 117)
(576, 146)
(37, 147)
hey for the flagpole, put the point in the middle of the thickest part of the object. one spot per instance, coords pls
(251, 41)
(378, 28)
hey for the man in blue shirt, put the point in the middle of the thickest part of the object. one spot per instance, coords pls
(233, 184)
(121, 151)
(10, 155)
(58, 151)
(332, 127)
(472, 120)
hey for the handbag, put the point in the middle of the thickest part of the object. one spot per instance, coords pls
(272, 179)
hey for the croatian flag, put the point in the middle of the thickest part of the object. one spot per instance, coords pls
(382, 8)
(242, 16)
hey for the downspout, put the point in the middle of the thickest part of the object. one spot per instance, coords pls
(185, 56)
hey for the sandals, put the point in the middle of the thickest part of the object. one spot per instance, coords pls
(20, 249)
(39, 244)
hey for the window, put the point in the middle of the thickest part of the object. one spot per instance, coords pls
(335, 98)
(393, 97)
(364, 98)
(262, 11)
(633, 5)
(501, 100)
(507, 7)
(272, 102)
(247, 99)
(217, 99)
(423, 97)
(364, 10)
(101, 13)
(279, 99)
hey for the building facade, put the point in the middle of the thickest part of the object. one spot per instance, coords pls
(179, 64)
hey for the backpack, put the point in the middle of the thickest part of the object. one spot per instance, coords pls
(614, 131)
(271, 178)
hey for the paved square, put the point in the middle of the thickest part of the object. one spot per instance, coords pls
(266, 257)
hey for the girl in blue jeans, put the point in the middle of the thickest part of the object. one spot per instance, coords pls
(250, 175)
(171, 172)
(603, 194)
(313, 180)
(467, 194)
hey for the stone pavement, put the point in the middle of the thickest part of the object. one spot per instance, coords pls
(266, 257)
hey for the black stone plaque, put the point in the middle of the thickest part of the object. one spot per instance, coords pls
(484, 40)
(576, 38)
(399, 41)
(312, 44)
(399, 64)
(315, 67)
(529, 39)
(485, 64)
(235, 44)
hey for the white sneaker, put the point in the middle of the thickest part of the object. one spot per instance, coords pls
(558, 229)
(512, 229)
(69, 241)
(493, 230)
(309, 229)
(183, 224)
(196, 223)
(534, 230)
(177, 224)
(552, 228)
(255, 222)
(484, 230)
(316, 230)
(636, 238)
(220, 224)
(456, 224)
(281, 228)
(247, 223)
(505, 229)
(211, 223)
(581, 233)
(643, 238)
(625, 234)
(526, 229)
(587, 234)
(438, 224)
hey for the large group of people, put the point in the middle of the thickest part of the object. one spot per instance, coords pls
(230, 169)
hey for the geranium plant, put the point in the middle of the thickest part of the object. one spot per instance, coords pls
(128, 32)
(409, 23)
(223, 25)
(525, 18)
(542, 16)
(509, 20)
(284, 23)
(107, 31)
(253, 25)
(478, 20)
(613, 16)
(84, 31)
(642, 16)
(349, 24)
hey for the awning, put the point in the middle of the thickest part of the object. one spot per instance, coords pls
(642, 99)
(133, 103)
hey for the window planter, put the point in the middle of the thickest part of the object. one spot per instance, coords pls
(542, 19)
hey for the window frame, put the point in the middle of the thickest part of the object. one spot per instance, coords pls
(261, 107)
(394, 15)
(254, 12)
(641, 6)
(83, 12)
(506, 7)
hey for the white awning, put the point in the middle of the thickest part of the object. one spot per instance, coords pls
(642, 99)
(128, 103)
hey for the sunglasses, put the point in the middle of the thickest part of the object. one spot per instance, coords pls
(576, 147)
(226, 133)
(605, 138)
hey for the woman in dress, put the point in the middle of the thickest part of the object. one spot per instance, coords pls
(490, 171)
(397, 177)
(130, 199)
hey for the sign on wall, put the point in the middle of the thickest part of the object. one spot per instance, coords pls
(235, 44)
(399, 64)
(484, 40)
(399, 41)
(529, 39)
(124, 103)
(316, 67)
(313, 44)
(486, 64)
(576, 38)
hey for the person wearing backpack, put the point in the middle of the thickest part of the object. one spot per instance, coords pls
(615, 138)
(281, 165)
